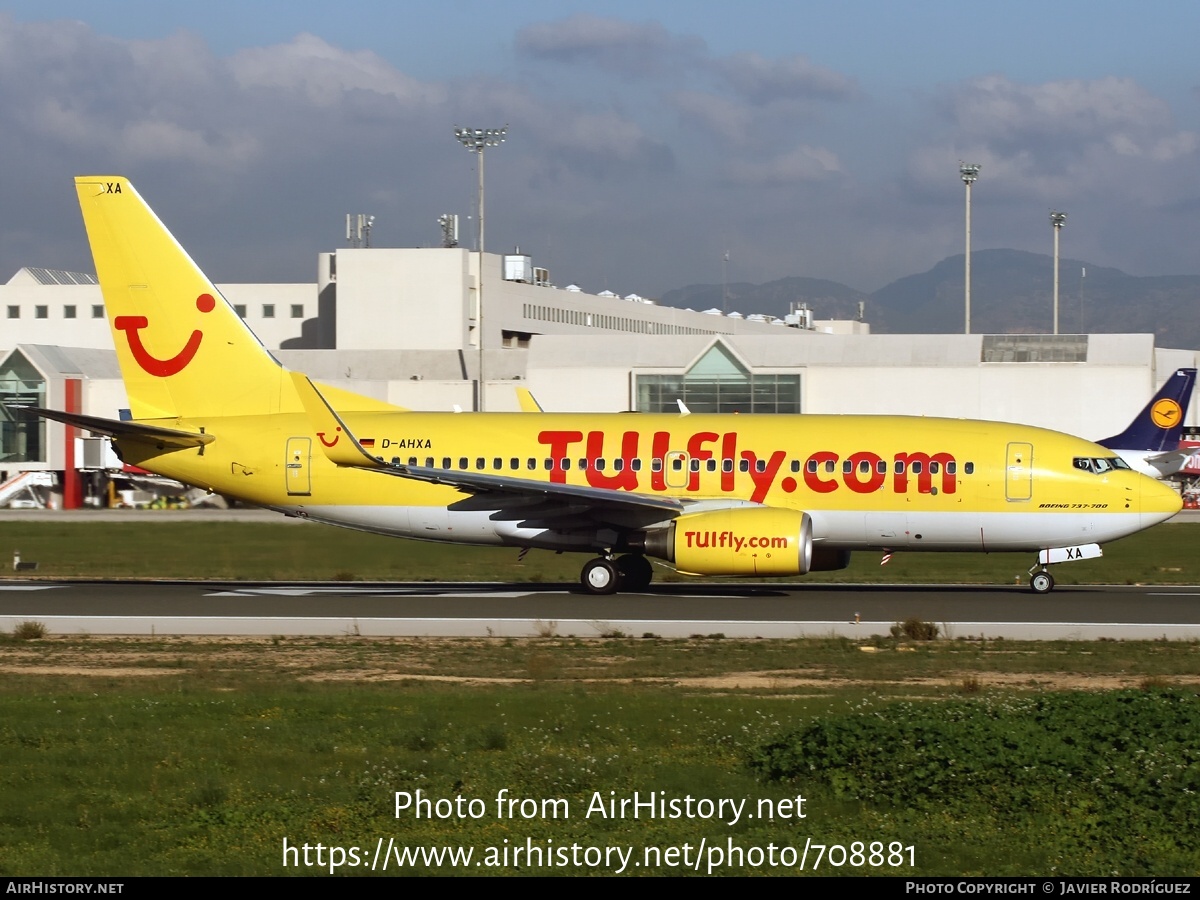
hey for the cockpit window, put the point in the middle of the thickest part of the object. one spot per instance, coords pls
(1100, 464)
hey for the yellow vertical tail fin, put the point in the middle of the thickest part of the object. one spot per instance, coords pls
(183, 350)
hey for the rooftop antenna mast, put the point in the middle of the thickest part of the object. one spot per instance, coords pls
(725, 283)
(449, 225)
(358, 229)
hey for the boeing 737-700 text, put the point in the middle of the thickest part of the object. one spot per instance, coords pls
(750, 495)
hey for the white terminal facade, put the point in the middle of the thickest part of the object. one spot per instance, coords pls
(403, 325)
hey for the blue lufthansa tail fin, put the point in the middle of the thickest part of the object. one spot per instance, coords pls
(1160, 425)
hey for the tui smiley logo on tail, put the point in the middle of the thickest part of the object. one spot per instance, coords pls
(162, 368)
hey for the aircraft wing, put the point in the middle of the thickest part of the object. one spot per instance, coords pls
(524, 498)
(482, 483)
(115, 428)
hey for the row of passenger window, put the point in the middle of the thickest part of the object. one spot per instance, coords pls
(676, 464)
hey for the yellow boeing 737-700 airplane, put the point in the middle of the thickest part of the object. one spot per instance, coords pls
(750, 495)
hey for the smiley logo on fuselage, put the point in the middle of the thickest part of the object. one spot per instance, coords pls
(162, 368)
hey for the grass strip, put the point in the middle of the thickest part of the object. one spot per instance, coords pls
(142, 756)
(1168, 554)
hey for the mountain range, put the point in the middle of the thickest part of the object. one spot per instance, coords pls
(1011, 293)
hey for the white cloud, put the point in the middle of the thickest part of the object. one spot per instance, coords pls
(760, 80)
(326, 73)
(631, 47)
(713, 113)
(157, 140)
(1005, 113)
(1106, 136)
(801, 164)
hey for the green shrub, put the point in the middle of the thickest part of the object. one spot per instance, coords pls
(29, 631)
(915, 630)
(1096, 766)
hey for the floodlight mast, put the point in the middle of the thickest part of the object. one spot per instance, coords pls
(477, 140)
(1057, 220)
(969, 172)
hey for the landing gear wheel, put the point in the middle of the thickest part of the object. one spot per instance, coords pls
(1042, 583)
(599, 576)
(636, 572)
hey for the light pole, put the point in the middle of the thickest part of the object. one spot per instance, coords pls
(1058, 220)
(969, 172)
(477, 140)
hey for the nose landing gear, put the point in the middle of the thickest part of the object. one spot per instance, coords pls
(1040, 579)
(1041, 582)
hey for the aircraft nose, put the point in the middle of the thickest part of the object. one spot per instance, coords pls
(1159, 501)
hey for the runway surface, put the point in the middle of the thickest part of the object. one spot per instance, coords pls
(518, 610)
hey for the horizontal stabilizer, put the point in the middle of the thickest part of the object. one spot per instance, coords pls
(1169, 463)
(126, 431)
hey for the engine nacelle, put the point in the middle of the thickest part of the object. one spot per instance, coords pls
(737, 541)
(829, 559)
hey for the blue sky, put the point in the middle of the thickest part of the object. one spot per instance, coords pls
(646, 140)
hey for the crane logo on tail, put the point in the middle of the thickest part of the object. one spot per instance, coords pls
(162, 368)
(1165, 413)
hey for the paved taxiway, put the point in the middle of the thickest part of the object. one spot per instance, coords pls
(514, 610)
(735, 609)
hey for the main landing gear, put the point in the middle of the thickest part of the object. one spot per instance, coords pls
(603, 575)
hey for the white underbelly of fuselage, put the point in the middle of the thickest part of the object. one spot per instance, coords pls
(972, 531)
(965, 531)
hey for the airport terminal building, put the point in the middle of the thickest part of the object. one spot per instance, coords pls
(413, 328)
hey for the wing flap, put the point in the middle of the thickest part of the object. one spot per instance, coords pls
(482, 483)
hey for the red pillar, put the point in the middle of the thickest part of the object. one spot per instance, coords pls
(72, 486)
